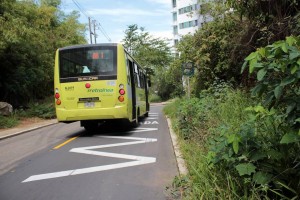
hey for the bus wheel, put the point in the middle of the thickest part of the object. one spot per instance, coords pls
(136, 122)
(146, 114)
(90, 125)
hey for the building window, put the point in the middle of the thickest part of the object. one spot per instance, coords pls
(188, 9)
(174, 16)
(188, 24)
(174, 3)
(175, 42)
(175, 30)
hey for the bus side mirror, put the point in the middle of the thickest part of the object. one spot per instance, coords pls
(149, 83)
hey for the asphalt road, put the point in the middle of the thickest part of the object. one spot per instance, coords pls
(63, 161)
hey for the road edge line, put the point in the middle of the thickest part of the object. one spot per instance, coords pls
(183, 171)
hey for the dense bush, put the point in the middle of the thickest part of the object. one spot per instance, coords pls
(219, 47)
(278, 77)
(243, 146)
(44, 109)
(251, 146)
(196, 120)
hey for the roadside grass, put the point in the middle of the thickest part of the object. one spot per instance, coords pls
(195, 120)
(9, 121)
(43, 109)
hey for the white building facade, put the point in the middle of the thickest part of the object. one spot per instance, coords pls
(186, 18)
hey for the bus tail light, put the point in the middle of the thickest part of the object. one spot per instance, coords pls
(57, 95)
(58, 102)
(87, 85)
(122, 91)
(121, 98)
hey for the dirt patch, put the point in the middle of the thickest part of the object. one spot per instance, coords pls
(27, 121)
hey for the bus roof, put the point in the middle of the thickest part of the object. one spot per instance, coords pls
(89, 45)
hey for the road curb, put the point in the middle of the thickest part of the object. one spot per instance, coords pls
(17, 131)
(179, 159)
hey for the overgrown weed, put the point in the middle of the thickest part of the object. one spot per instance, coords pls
(235, 148)
(8, 121)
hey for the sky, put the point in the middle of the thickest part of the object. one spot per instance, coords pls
(116, 15)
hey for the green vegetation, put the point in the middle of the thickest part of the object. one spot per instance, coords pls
(30, 33)
(239, 132)
(43, 109)
(8, 122)
(155, 56)
(235, 149)
(154, 98)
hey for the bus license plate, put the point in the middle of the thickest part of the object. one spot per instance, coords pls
(89, 104)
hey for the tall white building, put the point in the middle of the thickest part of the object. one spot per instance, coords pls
(186, 18)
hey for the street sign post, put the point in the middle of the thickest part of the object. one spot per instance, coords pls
(188, 70)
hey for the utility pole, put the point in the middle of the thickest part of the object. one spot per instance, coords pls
(90, 28)
(95, 35)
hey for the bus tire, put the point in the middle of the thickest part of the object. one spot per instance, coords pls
(90, 126)
(136, 122)
(146, 114)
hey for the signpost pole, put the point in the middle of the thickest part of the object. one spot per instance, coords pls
(189, 89)
(188, 70)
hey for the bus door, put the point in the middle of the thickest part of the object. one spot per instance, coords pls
(132, 75)
(146, 92)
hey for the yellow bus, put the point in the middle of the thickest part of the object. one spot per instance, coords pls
(98, 83)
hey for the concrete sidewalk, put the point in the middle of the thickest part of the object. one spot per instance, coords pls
(7, 133)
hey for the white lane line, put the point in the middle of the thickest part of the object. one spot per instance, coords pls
(152, 118)
(137, 160)
(137, 130)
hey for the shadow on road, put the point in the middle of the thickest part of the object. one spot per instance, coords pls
(112, 128)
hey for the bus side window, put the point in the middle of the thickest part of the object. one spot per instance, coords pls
(137, 71)
(128, 71)
(142, 80)
(135, 80)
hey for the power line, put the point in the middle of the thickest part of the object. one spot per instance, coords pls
(100, 27)
(94, 21)
(81, 9)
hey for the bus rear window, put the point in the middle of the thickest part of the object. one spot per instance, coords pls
(88, 61)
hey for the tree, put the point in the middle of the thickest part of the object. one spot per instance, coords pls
(131, 38)
(153, 54)
(29, 37)
(54, 3)
(218, 49)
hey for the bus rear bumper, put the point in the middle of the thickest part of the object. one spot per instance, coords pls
(65, 115)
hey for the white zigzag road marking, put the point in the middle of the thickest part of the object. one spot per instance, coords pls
(138, 160)
(137, 130)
